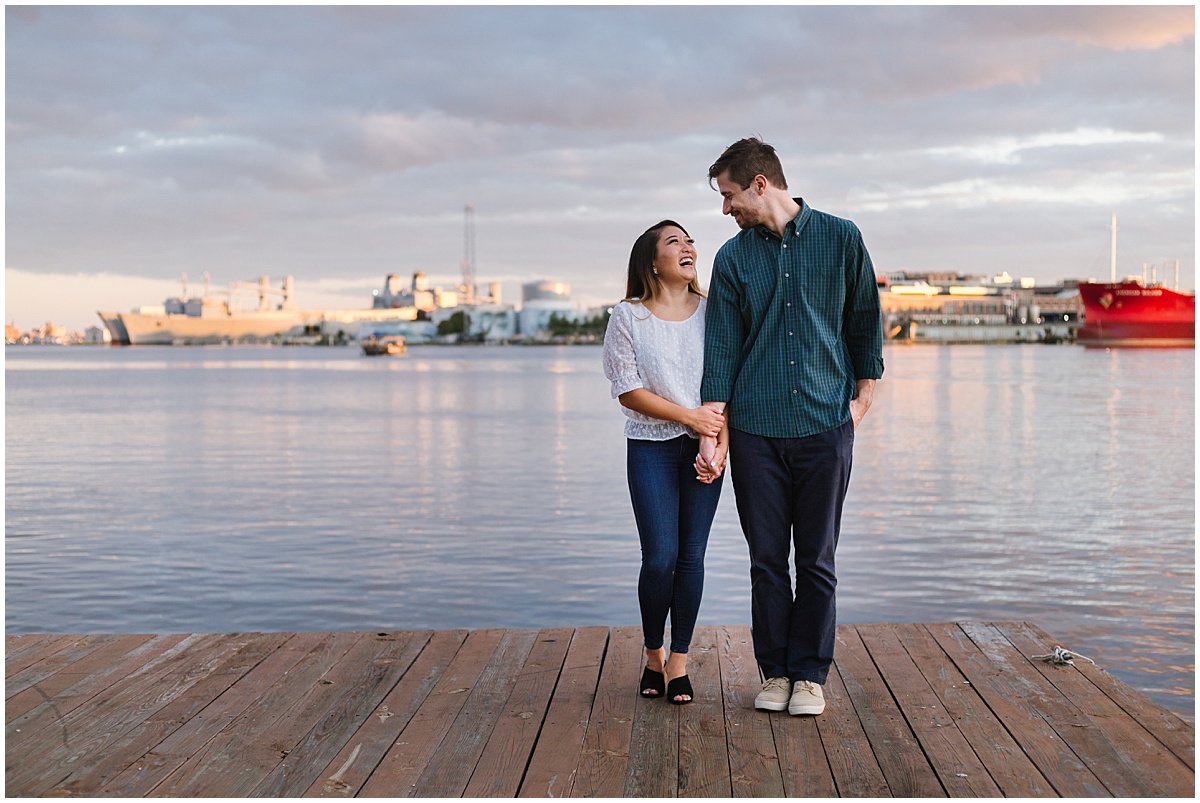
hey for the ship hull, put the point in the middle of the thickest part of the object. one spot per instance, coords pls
(166, 330)
(1130, 314)
(142, 329)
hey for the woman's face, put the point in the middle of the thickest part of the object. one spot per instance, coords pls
(675, 257)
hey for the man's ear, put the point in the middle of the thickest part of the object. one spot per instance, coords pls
(761, 184)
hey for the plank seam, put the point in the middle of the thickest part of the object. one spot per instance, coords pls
(198, 713)
(1086, 676)
(1123, 758)
(1014, 736)
(967, 741)
(907, 722)
(384, 754)
(545, 712)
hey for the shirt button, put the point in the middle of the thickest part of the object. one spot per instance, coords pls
(794, 392)
(785, 245)
(789, 303)
(789, 334)
(791, 362)
(786, 275)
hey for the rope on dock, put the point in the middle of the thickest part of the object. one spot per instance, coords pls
(1061, 657)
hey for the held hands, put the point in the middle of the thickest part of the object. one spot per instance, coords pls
(710, 461)
(705, 421)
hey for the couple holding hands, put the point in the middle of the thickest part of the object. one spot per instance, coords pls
(774, 370)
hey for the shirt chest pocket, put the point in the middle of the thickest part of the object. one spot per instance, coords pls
(817, 288)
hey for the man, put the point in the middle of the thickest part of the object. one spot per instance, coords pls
(793, 346)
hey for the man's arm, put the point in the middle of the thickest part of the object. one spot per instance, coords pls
(724, 333)
(862, 327)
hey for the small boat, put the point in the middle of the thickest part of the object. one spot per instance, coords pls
(377, 345)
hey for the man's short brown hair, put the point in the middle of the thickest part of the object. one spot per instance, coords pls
(746, 159)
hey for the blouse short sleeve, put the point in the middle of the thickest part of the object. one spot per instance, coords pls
(620, 360)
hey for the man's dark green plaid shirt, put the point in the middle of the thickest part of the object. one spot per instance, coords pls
(792, 323)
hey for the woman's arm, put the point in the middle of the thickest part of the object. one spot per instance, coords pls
(702, 420)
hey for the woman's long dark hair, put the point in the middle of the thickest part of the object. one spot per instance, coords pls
(642, 283)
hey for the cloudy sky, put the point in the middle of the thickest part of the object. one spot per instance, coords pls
(339, 144)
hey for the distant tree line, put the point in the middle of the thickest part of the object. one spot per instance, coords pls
(560, 325)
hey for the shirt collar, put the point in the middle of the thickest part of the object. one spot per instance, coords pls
(797, 223)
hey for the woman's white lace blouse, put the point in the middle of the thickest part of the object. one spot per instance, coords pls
(664, 357)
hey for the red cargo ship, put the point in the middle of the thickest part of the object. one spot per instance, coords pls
(1130, 313)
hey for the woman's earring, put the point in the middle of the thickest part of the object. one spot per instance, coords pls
(655, 271)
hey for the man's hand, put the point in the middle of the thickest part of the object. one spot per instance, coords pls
(708, 471)
(705, 458)
(862, 402)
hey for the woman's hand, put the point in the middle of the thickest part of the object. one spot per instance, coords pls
(704, 421)
(710, 462)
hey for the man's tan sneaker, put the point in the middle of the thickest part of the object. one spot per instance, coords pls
(774, 695)
(807, 698)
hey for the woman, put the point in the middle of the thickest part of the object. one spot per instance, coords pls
(654, 357)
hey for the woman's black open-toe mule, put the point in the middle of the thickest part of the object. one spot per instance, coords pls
(653, 684)
(680, 686)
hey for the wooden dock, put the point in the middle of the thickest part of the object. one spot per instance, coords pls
(914, 710)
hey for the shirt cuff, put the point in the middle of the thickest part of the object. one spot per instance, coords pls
(622, 385)
(868, 368)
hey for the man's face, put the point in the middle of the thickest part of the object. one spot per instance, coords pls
(745, 206)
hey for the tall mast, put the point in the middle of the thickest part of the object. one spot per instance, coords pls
(1113, 255)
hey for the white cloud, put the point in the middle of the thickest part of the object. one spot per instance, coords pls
(1007, 150)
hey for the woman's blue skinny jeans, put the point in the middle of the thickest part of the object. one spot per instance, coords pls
(674, 512)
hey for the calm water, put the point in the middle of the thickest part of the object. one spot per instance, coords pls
(220, 489)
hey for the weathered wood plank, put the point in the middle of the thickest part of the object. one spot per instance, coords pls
(141, 777)
(556, 712)
(703, 753)
(1176, 734)
(30, 652)
(1147, 759)
(1112, 766)
(50, 755)
(1008, 698)
(605, 756)
(358, 688)
(753, 761)
(124, 751)
(406, 760)
(856, 772)
(232, 766)
(948, 752)
(896, 749)
(449, 770)
(501, 766)
(23, 640)
(653, 767)
(346, 773)
(551, 771)
(63, 685)
(39, 671)
(1006, 762)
